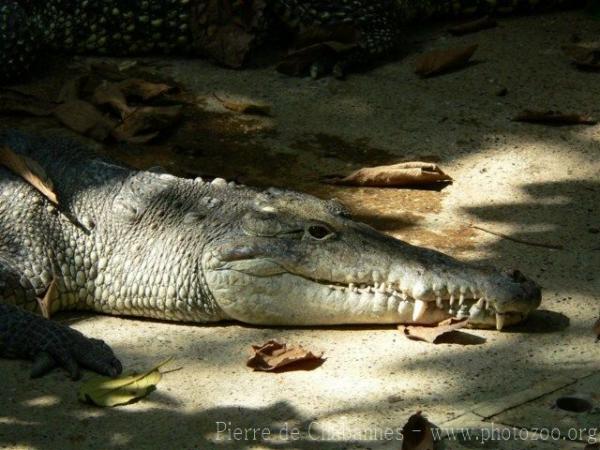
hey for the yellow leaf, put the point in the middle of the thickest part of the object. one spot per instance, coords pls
(121, 390)
(30, 171)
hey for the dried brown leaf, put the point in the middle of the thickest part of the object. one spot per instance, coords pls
(417, 434)
(434, 333)
(555, 118)
(403, 174)
(273, 356)
(440, 61)
(85, 118)
(16, 102)
(146, 123)
(45, 303)
(111, 94)
(71, 89)
(144, 89)
(473, 26)
(245, 107)
(584, 55)
(30, 171)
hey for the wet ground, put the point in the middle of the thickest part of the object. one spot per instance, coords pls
(533, 183)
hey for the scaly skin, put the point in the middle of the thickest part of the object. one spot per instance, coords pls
(145, 244)
(141, 27)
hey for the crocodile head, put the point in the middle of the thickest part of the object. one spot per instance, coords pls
(292, 259)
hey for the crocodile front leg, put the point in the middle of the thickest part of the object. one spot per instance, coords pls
(49, 344)
(376, 26)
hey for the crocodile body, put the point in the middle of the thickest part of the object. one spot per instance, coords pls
(138, 27)
(148, 244)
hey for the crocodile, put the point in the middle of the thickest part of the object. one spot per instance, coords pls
(149, 244)
(30, 28)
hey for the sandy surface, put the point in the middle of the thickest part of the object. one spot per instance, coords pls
(530, 182)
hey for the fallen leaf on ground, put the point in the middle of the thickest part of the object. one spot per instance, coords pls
(244, 107)
(596, 329)
(417, 433)
(441, 61)
(273, 356)
(555, 118)
(30, 171)
(434, 333)
(71, 89)
(402, 174)
(143, 89)
(121, 390)
(45, 303)
(16, 102)
(146, 122)
(473, 26)
(85, 118)
(111, 94)
(584, 56)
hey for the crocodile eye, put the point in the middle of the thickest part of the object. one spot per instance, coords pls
(319, 232)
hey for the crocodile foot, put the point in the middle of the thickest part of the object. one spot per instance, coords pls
(50, 344)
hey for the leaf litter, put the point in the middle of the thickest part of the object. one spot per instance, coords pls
(124, 389)
(274, 356)
(30, 171)
(438, 62)
(415, 173)
(554, 118)
(45, 303)
(108, 100)
(445, 332)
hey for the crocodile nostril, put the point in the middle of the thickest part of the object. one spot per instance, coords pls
(574, 403)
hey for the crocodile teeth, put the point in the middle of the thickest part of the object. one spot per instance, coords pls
(452, 300)
(461, 299)
(419, 310)
(500, 321)
(439, 302)
(481, 303)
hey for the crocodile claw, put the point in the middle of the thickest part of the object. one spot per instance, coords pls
(50, 344)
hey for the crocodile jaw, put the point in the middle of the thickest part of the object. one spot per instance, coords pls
(288, 299)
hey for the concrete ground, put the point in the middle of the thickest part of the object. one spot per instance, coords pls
(530, 182)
